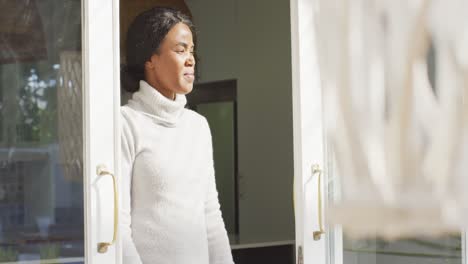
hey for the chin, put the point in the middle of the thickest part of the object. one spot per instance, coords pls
(185, 90)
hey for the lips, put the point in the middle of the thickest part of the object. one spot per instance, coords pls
(190, 76)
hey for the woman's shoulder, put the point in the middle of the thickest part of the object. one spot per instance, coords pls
(198, 124)
(126, 111)
(129, 117)
(130, 114)
(195, 118)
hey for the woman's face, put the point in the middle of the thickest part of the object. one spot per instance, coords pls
(172, 70)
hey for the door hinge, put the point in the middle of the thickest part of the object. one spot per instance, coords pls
(300, 255)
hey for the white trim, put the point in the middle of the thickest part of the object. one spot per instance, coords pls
(117, 140)
(297, 132)
(307, 129)
(335, 246)
(464, 243)
(86, 135)
(335, 238)
(266, 244)
(98, 124)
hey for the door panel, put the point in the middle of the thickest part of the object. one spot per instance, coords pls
(58, 103)
(342, 249)
(102, 145)
(311, 147)
(308, 136)
(41, 139)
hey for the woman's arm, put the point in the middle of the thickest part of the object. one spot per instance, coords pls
(218, 242)
(130, 253)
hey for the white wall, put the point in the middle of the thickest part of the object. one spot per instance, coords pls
(216, 23)
(249, 40)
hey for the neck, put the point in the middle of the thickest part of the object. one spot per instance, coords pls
(149, 100)
(166, 92)
(156, 85)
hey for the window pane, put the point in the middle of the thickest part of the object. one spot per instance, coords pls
(423, 250)
(41, 179)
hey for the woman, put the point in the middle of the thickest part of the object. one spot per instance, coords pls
(170, 212)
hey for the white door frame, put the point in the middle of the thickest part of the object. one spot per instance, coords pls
(307, 131)
(101, 101)
(309, 143)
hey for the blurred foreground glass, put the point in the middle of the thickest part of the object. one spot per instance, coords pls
(395, 90)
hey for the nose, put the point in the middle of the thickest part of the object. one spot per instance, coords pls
(190, 62)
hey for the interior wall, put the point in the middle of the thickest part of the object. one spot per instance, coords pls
(265, 120)
(217, 32)
(249, 40)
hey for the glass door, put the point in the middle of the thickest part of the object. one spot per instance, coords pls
(342, 249)
(57, 126)
(334, 247)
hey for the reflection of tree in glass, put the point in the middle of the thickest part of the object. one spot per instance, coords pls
(37, 105)
(8, 254)
(50, 251)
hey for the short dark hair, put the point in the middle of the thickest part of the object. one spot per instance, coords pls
(144, 37)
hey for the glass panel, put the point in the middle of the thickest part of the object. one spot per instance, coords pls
(415, 251)
(447, 250)
(41, 152)
(423, 250)
(220, 116)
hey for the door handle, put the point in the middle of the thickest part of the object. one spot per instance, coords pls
(103, 171)
(317, 171)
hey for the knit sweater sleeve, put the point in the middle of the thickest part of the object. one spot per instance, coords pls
(218, 242)
(130, 253)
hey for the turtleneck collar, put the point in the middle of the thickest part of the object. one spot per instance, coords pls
(151, 102)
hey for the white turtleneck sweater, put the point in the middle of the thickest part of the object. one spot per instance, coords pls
(170, 211)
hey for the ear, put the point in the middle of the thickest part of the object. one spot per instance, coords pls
(149, 64)
(152, 62)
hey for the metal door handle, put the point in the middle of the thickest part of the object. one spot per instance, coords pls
(103, 246)
(318, 234)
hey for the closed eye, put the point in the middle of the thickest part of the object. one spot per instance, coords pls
(183, 47)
